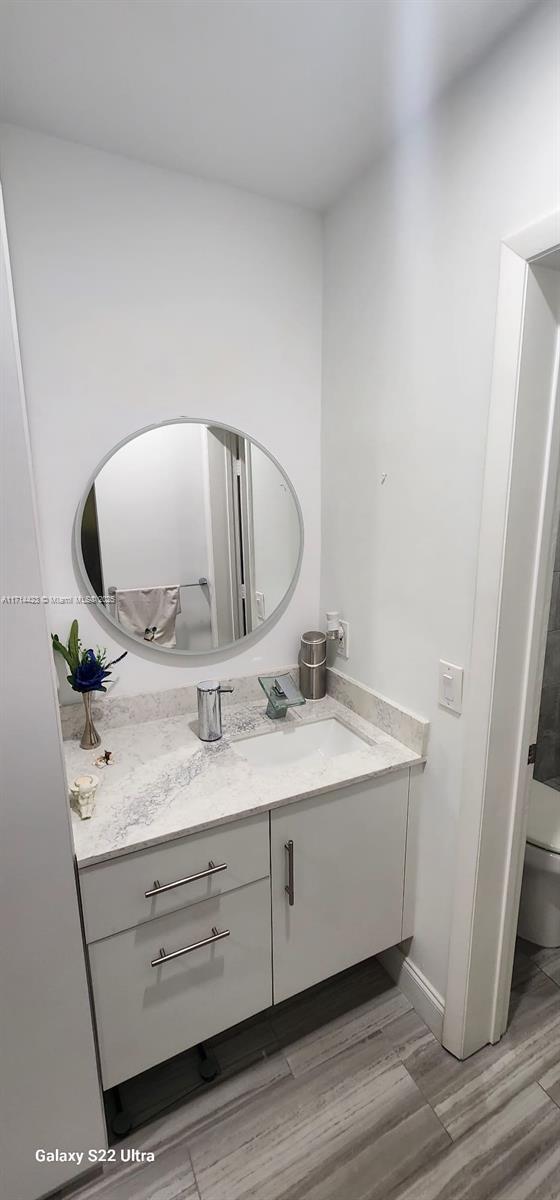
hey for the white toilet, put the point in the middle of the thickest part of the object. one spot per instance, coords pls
(539, 912)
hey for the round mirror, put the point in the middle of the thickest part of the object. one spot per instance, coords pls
(189, 536)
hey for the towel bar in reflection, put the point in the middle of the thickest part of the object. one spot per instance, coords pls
(202, 582)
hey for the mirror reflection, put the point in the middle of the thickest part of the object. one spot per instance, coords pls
(190, 536)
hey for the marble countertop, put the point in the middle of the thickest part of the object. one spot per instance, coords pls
(166, 783)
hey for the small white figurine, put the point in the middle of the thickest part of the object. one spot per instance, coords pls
(82, 795)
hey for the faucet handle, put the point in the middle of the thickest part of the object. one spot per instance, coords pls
(281, 692)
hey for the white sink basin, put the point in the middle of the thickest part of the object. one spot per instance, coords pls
(294, 743)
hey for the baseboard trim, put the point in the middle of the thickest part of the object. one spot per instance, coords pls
(424, 998)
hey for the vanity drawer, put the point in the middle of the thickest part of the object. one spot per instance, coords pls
(114, 892)
(146, 1013)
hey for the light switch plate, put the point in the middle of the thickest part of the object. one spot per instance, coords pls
(450, 694)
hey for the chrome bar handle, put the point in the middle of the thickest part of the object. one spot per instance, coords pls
(216, 937)
(289, 888)
(158, 887)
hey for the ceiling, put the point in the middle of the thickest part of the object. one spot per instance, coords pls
(289, 98)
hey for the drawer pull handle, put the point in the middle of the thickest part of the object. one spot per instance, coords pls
(158, 887)
(216, 937)
(289, 888)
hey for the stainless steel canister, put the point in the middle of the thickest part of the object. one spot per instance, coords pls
(313, 665)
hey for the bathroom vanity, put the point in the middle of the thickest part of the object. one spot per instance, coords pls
(217, 880)
(219, 877)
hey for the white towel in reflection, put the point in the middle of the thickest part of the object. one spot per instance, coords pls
(150, 613)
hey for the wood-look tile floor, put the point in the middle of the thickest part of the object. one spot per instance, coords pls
(344, 1094)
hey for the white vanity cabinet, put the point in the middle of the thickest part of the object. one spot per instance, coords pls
(179, 935)
(337, 874)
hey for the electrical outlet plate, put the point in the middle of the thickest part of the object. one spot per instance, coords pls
(343, 646)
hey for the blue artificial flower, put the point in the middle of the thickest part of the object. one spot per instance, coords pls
(89, 674)
(88, 668)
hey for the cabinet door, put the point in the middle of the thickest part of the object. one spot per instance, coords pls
(348, 851)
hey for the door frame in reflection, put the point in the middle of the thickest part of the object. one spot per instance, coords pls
(230, 536)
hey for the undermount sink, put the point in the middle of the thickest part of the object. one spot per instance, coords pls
(294, 743)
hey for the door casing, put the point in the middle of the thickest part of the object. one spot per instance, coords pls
(516, 536)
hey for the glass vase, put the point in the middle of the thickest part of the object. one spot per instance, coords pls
(90, 736)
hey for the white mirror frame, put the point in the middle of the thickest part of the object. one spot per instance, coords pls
(175, 654)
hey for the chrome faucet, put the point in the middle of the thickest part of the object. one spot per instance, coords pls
(281, 693)
(209, 697)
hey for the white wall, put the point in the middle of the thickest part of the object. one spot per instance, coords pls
(144, 294)
(151, 513)
(47, 1054)
(411, 271)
